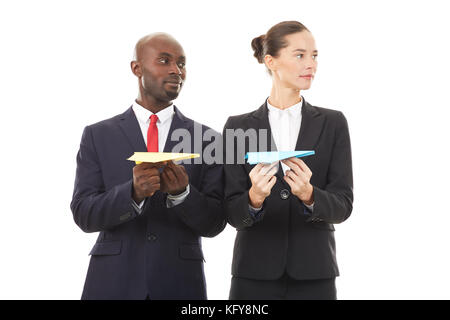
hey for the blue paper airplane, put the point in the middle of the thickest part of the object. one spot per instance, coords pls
(269, 157)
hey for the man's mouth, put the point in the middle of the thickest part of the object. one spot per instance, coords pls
(175, 81)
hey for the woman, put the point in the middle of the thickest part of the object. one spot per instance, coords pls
(285, 247)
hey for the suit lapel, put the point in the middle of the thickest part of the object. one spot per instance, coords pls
(132, 131)
(310, 129)
(178, 121)
(262, 116)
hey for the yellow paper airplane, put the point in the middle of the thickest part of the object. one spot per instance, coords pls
(154, 157)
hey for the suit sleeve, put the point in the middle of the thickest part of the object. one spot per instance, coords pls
(94, 208)
(334, 203)
(202, 210)
(237, 185)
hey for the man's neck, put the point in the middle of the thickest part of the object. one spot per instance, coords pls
(152, 104)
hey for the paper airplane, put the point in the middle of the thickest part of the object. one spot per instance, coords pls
(269, 157)
(154, 157)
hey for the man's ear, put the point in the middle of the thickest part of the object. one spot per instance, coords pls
(136, 68)
(270, 62)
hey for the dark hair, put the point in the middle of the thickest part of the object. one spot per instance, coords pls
(274, 39)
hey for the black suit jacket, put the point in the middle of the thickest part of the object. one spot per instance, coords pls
(157, 253)
(285, 236)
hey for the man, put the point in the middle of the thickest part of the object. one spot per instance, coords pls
(150, 216)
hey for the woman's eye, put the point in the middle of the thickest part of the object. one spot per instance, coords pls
(315, 57)
(300, 55)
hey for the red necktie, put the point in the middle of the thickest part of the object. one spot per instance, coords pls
(152, 134)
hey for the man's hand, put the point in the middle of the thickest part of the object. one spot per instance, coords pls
(263, 179)
(174, 179)
(298, 179)
(146, 180)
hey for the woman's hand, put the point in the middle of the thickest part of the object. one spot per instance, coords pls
(298, 179)
(263, 179)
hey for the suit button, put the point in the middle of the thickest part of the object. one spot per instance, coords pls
(284, 194)
(151, 237)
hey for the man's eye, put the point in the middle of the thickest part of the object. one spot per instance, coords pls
(181, 64)
(164, 60)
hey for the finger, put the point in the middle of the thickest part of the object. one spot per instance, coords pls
(182, 168)
(159, 165)
(296, 179)
(303, 176)
(147, 181)
(300, 178)
(164, 178)
(289, 181)
(170, 164)
(154, 179)
(150, 165)
(183, 173)
(146, 165)
(304, 167)
(292, 165)
(256, 168)
(170, 174)
(140, 167)
(268, 168)
(301, 164)
(175, 170)
(274, 169)
(147, 187)
(152, 171)
(272, 182)
(290, 174)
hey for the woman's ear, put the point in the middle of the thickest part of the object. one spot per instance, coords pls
(270, 62)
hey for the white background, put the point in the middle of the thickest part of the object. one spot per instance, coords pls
(385, 64)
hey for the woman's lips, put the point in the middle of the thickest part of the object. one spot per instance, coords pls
(307, 77)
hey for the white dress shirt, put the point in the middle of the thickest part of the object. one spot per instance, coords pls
(285, 127)
(163, 124)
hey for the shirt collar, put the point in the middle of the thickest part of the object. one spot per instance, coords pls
(143, 115)
(293, 111)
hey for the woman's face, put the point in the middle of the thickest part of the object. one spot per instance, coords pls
(296, 64)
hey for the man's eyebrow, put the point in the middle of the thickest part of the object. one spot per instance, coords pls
(303, 50)
(165, 54)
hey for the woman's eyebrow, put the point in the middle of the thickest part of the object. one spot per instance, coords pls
(303, 50)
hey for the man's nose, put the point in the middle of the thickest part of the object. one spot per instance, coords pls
(175, 69)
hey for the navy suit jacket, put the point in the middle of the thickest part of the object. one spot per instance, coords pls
(157, 253)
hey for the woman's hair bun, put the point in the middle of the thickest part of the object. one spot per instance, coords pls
(258, 48)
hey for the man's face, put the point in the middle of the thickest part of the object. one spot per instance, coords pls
(162, 69)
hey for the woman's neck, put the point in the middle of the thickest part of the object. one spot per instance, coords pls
(282, 97)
